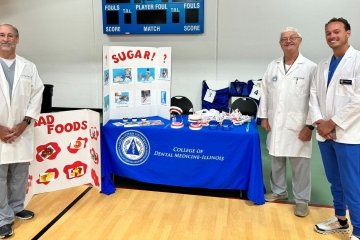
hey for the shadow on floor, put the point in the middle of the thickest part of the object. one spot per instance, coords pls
(122, 182)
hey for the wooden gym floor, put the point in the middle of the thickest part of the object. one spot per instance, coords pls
(132, 214)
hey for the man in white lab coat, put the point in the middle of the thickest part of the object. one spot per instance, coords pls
(20, 102)
(283, 110)
(335, 109)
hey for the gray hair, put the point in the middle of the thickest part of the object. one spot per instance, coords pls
(290, 29)
(16, 31)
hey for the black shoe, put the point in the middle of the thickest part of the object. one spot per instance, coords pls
(6, 231)
(25, 214)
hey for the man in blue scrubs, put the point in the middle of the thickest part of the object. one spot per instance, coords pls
(335, 109)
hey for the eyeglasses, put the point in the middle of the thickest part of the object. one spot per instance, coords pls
(291, 39)
(10, 36)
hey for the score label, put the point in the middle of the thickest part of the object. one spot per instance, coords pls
(153, 16)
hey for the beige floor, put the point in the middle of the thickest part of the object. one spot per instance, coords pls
(145, 215)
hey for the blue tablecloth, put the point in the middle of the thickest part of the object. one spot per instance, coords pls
(206, 158)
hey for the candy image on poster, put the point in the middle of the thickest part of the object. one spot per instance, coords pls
(75, 170)
(46, 177)
(76, 145)
(48, 151)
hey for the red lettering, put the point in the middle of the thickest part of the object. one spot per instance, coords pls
(138, 54)
(153, 55)
(50, 128)
(40, 122)
(115, 59)
(50, 119)
(130, 54)
(122, 56)
(84, 125)
(76, 126)
(147, 55)
(59, 128)
(68, 127)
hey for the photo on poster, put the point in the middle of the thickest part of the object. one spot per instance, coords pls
(46, 177)
(163, 97)
(106, 77)
(77, 144)
(122, 98)
(47, 152)
(146, 75)
(122, 75)
(145, 97)
(164, 74)
(106, 103)
(77, 171)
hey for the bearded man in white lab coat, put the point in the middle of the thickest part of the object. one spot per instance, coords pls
(283, 110)
(20, 102)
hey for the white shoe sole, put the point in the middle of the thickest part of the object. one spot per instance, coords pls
(343, 231)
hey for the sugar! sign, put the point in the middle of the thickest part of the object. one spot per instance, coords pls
(52, 127)
(130, 54)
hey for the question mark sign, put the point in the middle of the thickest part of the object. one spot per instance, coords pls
(165, 56)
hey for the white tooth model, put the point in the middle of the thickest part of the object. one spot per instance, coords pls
(176, 117)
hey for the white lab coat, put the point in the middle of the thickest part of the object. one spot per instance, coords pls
(25, 101)
(341, 100)
(285, 103)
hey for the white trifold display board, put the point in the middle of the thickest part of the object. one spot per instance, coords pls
(66, 152)
(136, 82)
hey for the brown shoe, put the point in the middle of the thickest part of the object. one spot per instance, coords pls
(271, 197)
(301, 210)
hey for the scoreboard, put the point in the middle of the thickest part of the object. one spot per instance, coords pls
(153, 16)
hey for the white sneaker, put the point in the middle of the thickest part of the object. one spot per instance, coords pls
(352, 237)
(331, 225)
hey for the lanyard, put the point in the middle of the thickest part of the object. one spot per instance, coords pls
(287, 70)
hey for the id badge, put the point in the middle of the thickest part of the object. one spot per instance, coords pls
(210, 95)
(345, 81)
(255, 92)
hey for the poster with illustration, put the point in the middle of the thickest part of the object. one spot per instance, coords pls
(66, 153)
(122, 75)
(146, 75)
(164, 75)
(138, 82)
(122, 98)
(163, 97)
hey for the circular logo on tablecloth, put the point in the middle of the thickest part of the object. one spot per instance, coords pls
(132, 147)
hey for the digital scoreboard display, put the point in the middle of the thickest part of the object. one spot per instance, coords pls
(153, 16)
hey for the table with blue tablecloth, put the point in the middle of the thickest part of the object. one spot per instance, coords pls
(210, 158)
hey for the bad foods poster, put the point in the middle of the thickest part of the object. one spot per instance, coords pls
(67, 152)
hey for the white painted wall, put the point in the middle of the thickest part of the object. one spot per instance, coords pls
(64, 38)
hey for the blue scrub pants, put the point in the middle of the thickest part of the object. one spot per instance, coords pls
(342, 168)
